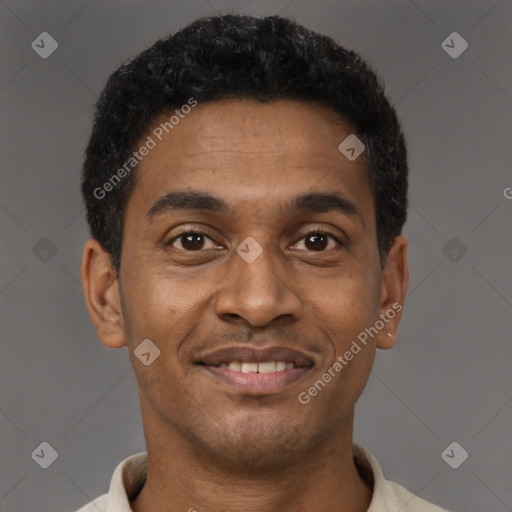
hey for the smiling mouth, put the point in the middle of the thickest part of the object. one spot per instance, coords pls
(258, 367)
(256, 372)
(256, 382)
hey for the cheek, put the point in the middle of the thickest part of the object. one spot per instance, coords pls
(159, 310)
(348, 308)
(164, 306)
(344, 306)
(346, 302)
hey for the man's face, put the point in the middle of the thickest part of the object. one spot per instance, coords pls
(306, 297)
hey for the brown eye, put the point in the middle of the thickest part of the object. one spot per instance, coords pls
(190, 241)
(318, 241)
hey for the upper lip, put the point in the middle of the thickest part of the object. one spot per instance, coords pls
(253, 354)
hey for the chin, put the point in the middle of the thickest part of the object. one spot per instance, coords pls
(255, 446)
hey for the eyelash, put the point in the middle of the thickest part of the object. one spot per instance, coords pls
(314, 232)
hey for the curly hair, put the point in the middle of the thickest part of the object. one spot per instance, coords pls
(242, 57)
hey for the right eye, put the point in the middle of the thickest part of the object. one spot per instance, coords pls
(190, 241)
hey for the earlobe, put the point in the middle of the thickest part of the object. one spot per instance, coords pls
(395, 279)
(101, 289)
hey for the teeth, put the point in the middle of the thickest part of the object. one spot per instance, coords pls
(280, 366)
(267, 367)
(253, 367)
(249, 367)
(236, 366)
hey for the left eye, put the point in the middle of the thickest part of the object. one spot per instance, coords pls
(195, 241)
(319, 240)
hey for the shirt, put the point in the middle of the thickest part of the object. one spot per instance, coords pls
(129, 477)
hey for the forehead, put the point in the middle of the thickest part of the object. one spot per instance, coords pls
(282, 126)
(244, 151)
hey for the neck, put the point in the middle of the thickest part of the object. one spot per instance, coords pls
(181, 478)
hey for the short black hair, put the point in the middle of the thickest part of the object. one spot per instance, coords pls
(239, 57)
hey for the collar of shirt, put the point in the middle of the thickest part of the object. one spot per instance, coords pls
(130, 474)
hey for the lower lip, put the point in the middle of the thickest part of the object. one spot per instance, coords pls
(257, 383)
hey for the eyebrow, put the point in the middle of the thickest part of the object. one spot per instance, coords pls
(314, 202)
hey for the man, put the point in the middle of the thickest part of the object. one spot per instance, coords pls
(246, 188)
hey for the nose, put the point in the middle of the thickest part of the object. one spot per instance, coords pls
(259, 292)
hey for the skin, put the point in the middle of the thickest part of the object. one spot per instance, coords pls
(210, 447)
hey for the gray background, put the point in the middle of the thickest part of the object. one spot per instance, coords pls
(448, 379)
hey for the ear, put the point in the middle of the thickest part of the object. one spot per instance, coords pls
(395, 279)
(101, 288)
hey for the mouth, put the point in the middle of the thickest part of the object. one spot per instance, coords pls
(256, 371)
